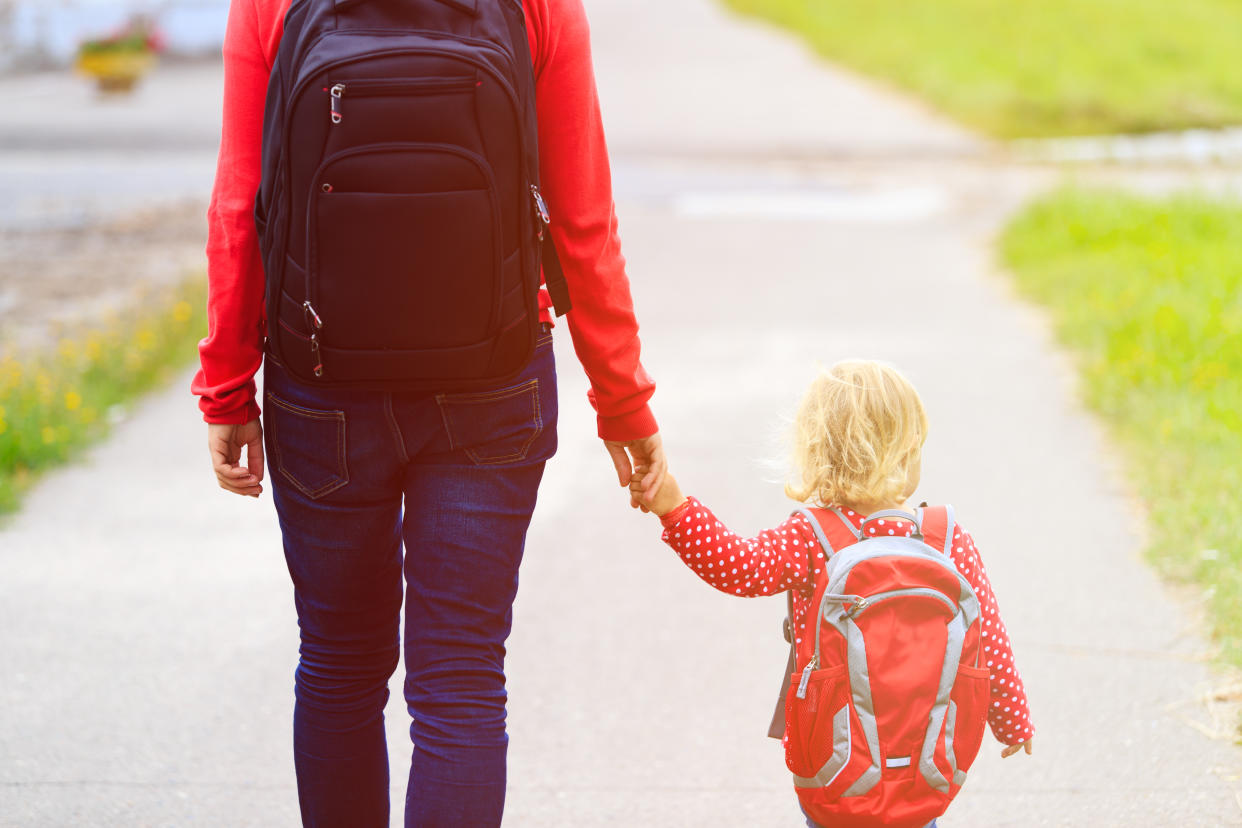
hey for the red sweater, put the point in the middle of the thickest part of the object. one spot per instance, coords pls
(776, 560)
(575, 179)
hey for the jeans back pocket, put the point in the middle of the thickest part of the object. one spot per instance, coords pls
(309, 446)
(493, 427)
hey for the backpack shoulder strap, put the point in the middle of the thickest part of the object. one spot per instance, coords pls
(776, 729)
(834, 528)
(938, 527)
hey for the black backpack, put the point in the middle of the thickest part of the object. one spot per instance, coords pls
(399, 216)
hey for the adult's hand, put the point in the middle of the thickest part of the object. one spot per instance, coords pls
(225, 442)
(648, 452)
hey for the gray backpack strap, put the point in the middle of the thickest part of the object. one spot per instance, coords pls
(929, 524)
(776, 729)
(817, 529)
(949, 525)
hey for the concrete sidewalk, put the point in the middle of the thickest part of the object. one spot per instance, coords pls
(776, 213)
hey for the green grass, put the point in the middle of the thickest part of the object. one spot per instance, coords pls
(1148, 295)
(1032, 69)
(55, 403)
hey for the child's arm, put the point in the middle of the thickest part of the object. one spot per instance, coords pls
(1009, 714)
(774, 561)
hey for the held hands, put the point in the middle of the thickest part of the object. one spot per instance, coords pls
(1012, 749)
(647, 453)
(666, 500)
(225, 442)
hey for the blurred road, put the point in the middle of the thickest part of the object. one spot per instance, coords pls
(777, 213)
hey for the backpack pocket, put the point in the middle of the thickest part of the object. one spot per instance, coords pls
(405, 249)
(967, 717)
(811, 722)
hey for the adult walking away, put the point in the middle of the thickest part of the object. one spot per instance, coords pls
(363, 469)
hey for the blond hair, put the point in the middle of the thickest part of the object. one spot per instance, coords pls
(858, 431)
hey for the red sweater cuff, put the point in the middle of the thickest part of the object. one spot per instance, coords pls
(674, 517)
(250, 411)
(632, 426)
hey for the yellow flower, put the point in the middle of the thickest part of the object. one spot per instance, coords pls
(43, 385)
(182, 311)
(49, 435)
(93, 348)
(68, 349)
(73, 400)
(145, 339)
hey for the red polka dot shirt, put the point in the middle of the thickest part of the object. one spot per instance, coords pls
(776, 560)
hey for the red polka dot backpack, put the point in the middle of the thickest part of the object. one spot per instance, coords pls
(887, 701)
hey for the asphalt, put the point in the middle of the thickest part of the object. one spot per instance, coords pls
(777, 213)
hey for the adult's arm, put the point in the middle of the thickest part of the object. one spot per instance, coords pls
(233, 351)
(575, 177)
(577, 182)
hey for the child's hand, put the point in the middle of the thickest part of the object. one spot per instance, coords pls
(1012, 749)
(668, 498)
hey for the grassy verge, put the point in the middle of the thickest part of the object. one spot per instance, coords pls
(1148, 294)
(1031, 69)
(53, 404)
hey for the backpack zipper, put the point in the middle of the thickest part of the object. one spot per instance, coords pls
(377, 88)
(300, 85)
(922, 592)
(314, 324)
(860, 603)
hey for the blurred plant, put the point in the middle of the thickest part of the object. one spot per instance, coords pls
(1038, 68)
(1148, 294)
(119, 60)
(55, 403)
(139, 35)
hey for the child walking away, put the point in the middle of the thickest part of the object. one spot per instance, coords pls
(901, 657)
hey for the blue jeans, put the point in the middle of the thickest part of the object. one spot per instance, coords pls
(810, 823)
(466, 468)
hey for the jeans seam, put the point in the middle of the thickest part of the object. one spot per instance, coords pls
(396, 429)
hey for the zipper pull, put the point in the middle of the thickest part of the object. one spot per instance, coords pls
(315, 323)
(313, 320)
(334, 102)
(543, 218)
(859, 605)
(316, 357)
(806, 677)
